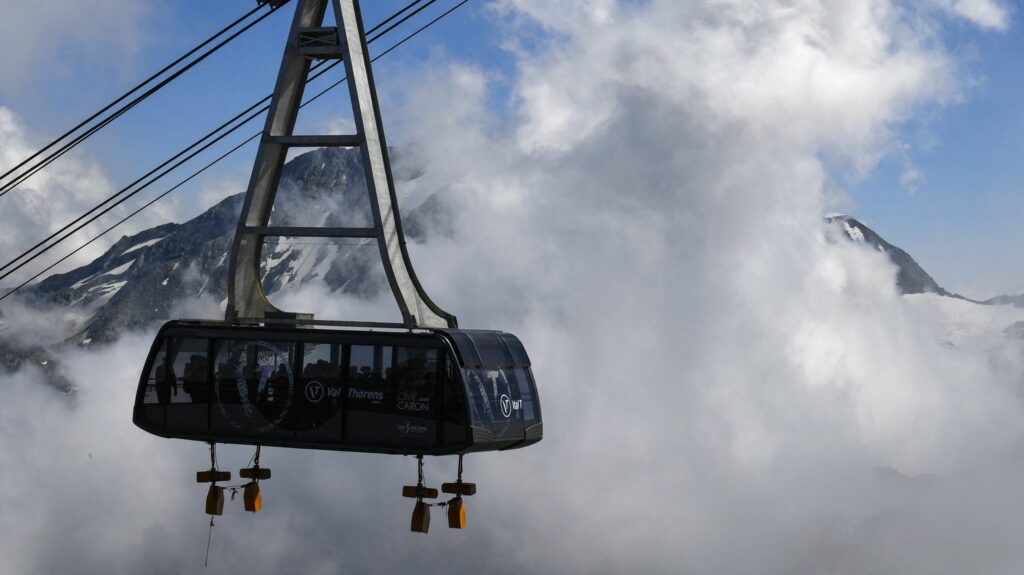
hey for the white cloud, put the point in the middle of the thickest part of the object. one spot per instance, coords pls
(985, 13)
(54, 197)
(44, 37)
(726, 387)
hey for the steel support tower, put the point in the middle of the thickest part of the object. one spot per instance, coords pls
(309, 40)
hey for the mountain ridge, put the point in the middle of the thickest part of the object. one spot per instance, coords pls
(140, 278)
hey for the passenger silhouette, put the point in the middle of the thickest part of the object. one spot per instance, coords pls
(277, 385)
(194, 380)
(165, 380)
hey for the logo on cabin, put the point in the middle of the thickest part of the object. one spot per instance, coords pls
(407, 427)
(508, 405)
(409, 401)
(375, 396)
(314, 391)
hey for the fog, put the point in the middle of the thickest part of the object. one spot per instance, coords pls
(728, 386)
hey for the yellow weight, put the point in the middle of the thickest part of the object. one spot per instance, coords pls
(456, 514)
(421, 518)
(252, 497)
(215, 501)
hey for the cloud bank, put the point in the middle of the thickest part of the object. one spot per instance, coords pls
(53, 38)
(54, 197)
(727, 388)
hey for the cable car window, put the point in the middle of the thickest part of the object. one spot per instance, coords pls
(190, 367)
(253, 387)
(371, 398)
(416, 380)
(467, 350)
(317, 398)
(492, 351)
(516, 347)
(496, 402)
(386, 362)
(182, 384)
(160, 380)
(157, 391)
(523, 379)
(317, 360)
(360, 369)
(454, 402)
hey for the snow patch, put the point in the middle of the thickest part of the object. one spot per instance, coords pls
(145, 244)
(119, 269)
(82, 282)
(854, 232)
(108, 288)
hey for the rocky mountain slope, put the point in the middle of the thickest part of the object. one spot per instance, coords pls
(1014, 300)
(141, 278)
(911, 278)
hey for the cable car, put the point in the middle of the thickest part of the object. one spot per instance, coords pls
(267, 377)
(425, 392)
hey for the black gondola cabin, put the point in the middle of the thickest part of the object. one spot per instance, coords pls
(430, 392)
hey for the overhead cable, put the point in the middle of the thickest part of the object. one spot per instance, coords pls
(53, 156)
(250, 118)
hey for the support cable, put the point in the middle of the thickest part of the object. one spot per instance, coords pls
(138, 87)
(18, 179)
(320, 69)
(49, 159)
(251, 117)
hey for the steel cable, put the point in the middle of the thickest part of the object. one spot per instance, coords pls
(207, 166)
(49, 159)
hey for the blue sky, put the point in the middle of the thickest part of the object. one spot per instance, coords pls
(662, 171)
(963, 221)
(959, 221)
(72, 86)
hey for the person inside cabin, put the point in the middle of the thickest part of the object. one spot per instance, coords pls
(165, 381)
(277, 384)
(194, 380)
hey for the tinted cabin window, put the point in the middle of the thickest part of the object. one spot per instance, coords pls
(371, 398)
(516, 348)
(157, 391)
(254, 384)
(160, 378)
(530, 405)
(387, 363)
(496, 402)
(179, 385)
(318, 394)
(366, 388)
(415, 382)
(491, 349)
(454, 402)
(415, 379)
(466, 348)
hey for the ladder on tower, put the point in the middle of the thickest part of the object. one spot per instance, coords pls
(309, 39)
